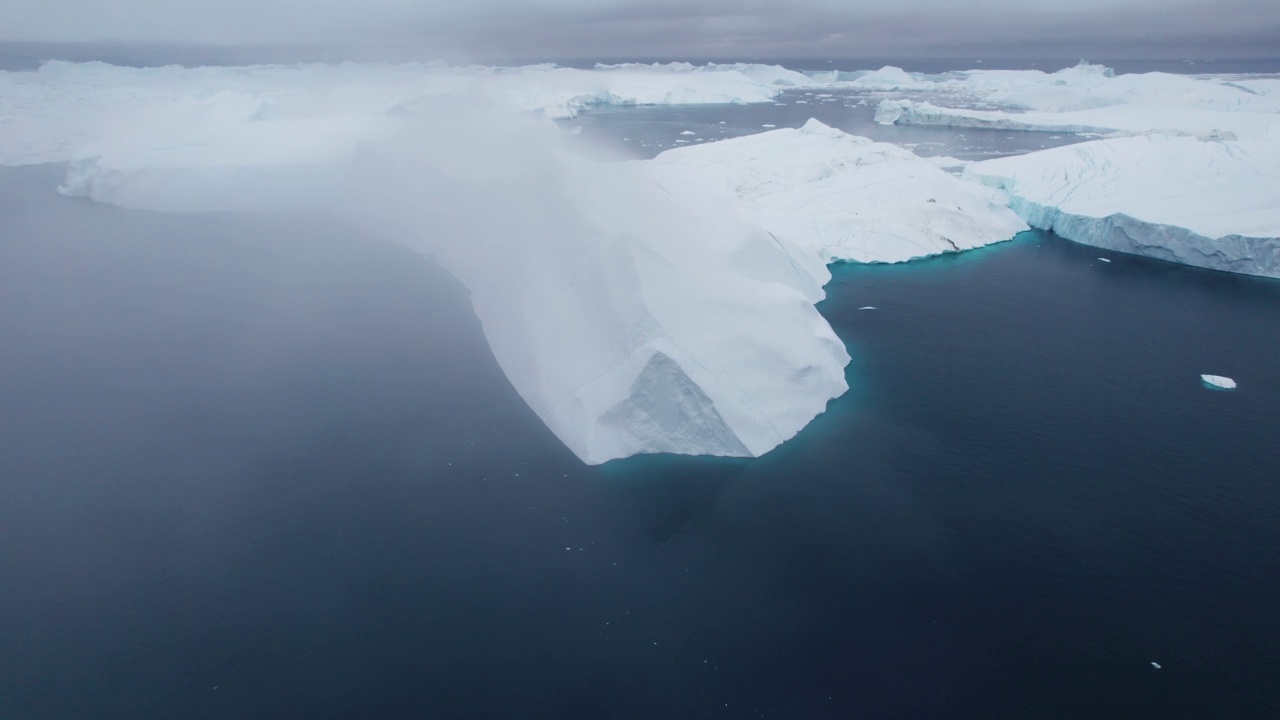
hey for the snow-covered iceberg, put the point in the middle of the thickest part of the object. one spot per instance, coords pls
(53, 113)
(632, 316)
(1212, 204)
(1090, 99)
(1114, 121)
(1220, 382)
(836, 196)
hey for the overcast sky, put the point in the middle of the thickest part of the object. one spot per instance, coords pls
(670, 28)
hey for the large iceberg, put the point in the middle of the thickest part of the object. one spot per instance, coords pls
(1212, 204)
(632, 315)
(836, 196)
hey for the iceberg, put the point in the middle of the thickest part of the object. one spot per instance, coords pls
(1219, 381)
(1209, 204)
(1111, 121)
(838, 197)
(1091, 99)
(633, 315)
(54, 113)
(886, 78)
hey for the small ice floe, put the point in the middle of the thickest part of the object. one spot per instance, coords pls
(1219, 381)
(1104, 260)
(869, 307)
(1155, 665)
(769, 126)
(687, 132)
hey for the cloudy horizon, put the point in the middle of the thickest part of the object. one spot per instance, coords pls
(400, 29)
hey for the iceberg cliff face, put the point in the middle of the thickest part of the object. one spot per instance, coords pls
(1210, 204)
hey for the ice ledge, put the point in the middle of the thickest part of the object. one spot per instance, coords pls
(1123, 233)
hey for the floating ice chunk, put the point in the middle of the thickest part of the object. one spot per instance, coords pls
(1219, 381)
(687, 132)
(869, 307)
(1155, 665)
(768, 126)
(1105, 260)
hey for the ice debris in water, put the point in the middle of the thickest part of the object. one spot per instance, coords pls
(1219, 381)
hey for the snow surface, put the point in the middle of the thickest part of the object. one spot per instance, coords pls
(1209, 204)
(835, 196)
(1219, 381)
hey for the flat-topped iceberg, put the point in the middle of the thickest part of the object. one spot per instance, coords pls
(1090, 99)
(839, 197)
(55, 112)
(1219, 381)
(1209, 204)
(1115, 121)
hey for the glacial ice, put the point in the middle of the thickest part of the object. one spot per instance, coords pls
(56, 112)
(1190, 171)
(836, 196)
(632, 316)
(1210, 204)
(1219, 381)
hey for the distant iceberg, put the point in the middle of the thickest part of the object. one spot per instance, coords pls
(54, 113)
(837, 197)
(1090, 99)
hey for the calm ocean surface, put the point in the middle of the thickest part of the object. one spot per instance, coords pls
(256, 467)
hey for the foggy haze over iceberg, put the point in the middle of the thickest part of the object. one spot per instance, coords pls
(498, 29)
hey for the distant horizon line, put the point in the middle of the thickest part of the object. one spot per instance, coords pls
(402, 52)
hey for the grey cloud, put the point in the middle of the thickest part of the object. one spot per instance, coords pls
(692, 28)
